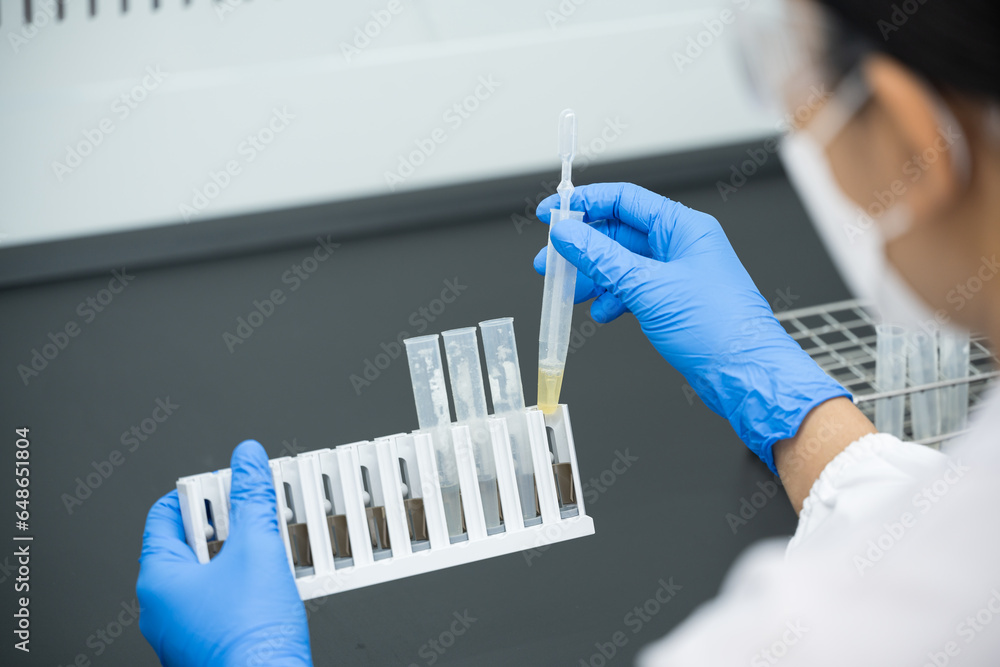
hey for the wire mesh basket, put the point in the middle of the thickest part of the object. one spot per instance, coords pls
(840, 337)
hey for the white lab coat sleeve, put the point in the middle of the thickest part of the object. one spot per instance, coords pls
(760, 611)
(870, 473)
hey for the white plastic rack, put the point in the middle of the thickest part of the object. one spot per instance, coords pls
(370, 512)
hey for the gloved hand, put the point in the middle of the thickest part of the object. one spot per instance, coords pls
(674, 269)
(242, 608)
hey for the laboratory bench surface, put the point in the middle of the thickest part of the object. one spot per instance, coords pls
(162, 380)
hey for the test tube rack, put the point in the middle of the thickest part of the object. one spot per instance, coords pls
(841, 338)
(369, 512)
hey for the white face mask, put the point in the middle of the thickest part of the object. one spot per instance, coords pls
(852, 238)
(855, 241)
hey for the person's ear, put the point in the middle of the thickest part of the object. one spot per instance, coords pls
(930, 137)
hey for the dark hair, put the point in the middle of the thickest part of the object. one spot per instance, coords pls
(953, 43)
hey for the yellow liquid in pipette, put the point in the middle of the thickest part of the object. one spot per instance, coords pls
(549, 384)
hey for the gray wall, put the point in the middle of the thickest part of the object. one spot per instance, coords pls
(664, 517)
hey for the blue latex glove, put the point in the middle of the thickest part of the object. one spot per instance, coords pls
(242, 607)
(674, 269)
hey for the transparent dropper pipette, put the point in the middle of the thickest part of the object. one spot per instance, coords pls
(560, 282)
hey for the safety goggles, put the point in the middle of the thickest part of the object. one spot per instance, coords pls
(799, 58)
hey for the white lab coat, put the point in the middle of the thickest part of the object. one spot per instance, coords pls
(895, 561)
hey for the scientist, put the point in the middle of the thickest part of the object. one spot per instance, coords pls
(896, 558)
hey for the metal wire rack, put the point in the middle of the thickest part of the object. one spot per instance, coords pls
(841, 338)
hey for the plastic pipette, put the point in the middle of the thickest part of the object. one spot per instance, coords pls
(560, 282)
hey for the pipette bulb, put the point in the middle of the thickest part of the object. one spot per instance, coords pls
(567, 134)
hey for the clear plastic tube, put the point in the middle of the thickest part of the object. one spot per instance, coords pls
(925, 413)
(557, 321)
(461, 347)
(430, 395)
(507, 394)
(954, 364)
(560, 281)
(890, 375)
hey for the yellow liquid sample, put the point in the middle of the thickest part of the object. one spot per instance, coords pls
(549, 384)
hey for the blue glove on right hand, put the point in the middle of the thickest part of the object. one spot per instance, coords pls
(674, 269)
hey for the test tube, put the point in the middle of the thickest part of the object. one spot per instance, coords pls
(508, 402)
(954, 361)
(890, 375)
(925, 413)
(559, 286)
(431, 398)
(558, 291)
(461, 347)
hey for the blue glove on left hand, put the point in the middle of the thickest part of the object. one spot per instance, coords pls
(242, 608)
(674, 269)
